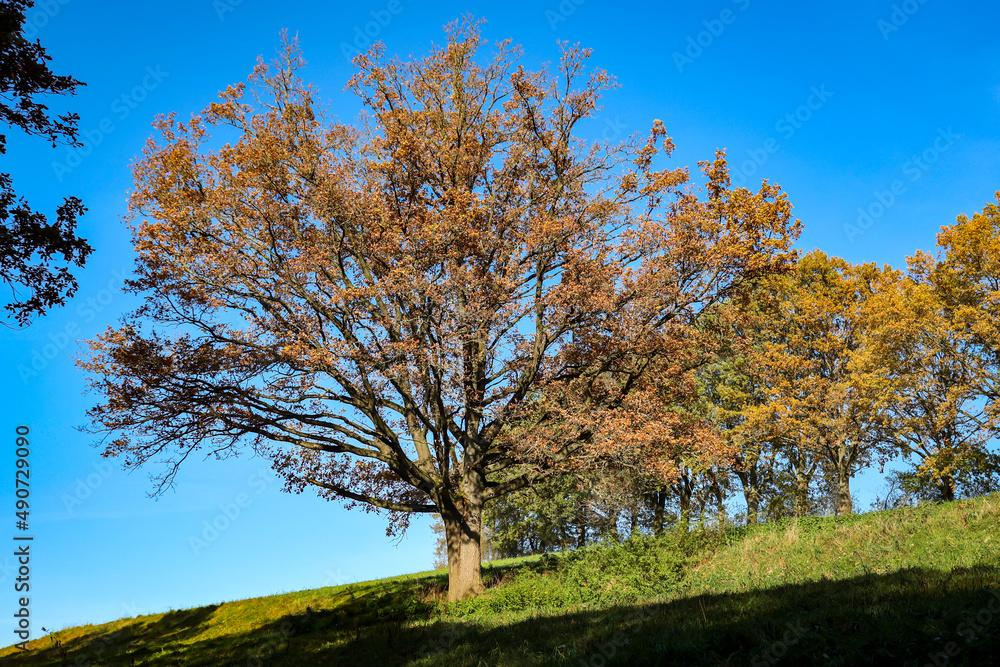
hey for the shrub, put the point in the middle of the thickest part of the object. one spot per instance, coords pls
(601, 575)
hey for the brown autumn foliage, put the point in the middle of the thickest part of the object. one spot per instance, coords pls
(397, 311)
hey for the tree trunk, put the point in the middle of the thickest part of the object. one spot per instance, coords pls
(685, 492)
(751, 493)
(753, 507)
(685, 507)
(946, 487)
(801, 494)
(844, 503)
(463, 525)
(720, 504)
(463, 534)
(659, 498)
(842, 468)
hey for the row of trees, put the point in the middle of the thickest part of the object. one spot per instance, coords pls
(833, 368)
(457, 300)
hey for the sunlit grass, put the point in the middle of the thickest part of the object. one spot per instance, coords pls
(881, 588)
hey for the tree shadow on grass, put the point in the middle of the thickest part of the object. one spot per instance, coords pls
(910, 617)
(136, 640)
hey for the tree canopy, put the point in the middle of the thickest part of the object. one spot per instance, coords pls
(397, 312)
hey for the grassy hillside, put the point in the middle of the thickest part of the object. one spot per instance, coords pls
(907, 587)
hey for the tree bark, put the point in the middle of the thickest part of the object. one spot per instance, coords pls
(464, 533)
(659, 498)
(463, 524)
(842, 469)
(751, 493)
(844, 503)
(685, 492)
(946, 487)
(753, 507)
(581, 528)
(685, 516)
(801, 494)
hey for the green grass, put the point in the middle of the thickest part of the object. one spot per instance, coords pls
(904, 587)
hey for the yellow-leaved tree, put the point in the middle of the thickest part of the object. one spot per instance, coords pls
(933, 332)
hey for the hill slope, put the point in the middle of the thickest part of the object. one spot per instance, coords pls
(907, 587)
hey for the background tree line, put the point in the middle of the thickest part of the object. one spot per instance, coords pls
(833, 368)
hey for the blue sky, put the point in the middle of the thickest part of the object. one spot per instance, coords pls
(880, 120)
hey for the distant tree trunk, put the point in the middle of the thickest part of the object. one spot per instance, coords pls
(685, 492)
(751, 493)
(844, 503)
(685, 516)
(946, 487)
(720, 499)
(842, 470)
(659, 498)
(581, 526)
(803, 468)
(946, 482)
(613, 531)
(801, 493)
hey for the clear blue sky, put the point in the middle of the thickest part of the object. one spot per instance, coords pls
(821, 98)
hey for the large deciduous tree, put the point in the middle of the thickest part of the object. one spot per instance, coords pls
(29, 243)
(400, 311)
